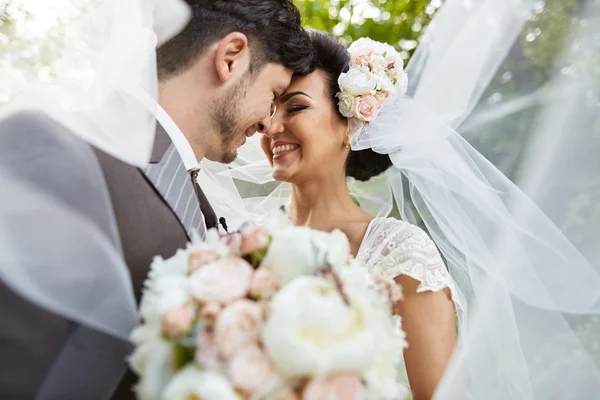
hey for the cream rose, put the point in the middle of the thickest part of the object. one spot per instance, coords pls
(358, 81)
(366, 108)
(378, 63)
(223, 281)
(384, 83)
(346, 104)
(238, 325)
(311, 330)
(250, 370)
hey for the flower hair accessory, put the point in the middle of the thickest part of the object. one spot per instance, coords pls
(376, 71)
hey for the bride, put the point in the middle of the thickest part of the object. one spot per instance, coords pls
(308, 145)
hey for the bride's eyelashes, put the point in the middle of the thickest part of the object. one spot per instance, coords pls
(294, 109)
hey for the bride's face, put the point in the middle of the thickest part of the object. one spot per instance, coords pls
(307, 139)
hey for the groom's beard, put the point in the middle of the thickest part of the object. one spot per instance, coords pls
(225, 115)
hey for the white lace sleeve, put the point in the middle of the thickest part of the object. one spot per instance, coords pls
(394, 247)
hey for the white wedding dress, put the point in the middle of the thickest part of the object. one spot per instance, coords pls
(393, 247)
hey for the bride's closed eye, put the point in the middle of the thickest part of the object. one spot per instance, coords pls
(296, 108)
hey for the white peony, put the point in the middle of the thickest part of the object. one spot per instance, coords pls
(358, 81)
(311, 330)
(346, 104)
(193, 383)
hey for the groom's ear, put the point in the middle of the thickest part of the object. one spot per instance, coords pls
(232, 55)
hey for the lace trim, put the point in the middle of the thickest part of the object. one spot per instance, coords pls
(394, 247)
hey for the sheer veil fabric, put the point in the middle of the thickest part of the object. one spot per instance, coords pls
(59, 243)
(530, 295)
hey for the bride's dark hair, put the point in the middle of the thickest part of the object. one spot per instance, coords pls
(333, 58)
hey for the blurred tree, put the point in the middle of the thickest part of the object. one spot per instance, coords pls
(398, 22)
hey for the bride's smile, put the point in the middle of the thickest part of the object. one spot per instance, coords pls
(281, 149)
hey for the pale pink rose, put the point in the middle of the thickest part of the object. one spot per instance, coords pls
(367, 108)
(209, 311)
(335, 387)
(177, 320)
(254, 239)
(201, 256)
(207, 353)
(222, 281)
(265, 283)
(250, 369)
(361, 56)
(238, 325)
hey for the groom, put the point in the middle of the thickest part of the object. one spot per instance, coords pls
(218, 81)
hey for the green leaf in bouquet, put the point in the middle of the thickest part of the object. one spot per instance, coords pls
(185, 349)
(182, 355)
(258, 256)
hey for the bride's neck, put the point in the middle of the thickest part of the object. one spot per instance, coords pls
(322, 204)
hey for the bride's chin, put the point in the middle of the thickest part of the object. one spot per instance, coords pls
(281, 174)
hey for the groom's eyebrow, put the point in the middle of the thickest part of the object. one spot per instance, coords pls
(288, 96)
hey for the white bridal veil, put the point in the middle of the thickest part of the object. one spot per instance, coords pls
(531, 330)
(79, 65)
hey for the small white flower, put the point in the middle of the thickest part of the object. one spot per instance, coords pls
(358, 81)
(163, 294)
(193, 383)
(384, 82)
(378, 63)
(346, 104)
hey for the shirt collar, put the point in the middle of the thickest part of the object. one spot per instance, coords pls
(183, 147)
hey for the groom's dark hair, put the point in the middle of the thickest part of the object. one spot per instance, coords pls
(273, 28)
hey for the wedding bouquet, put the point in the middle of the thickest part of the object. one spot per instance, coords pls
(271, 312)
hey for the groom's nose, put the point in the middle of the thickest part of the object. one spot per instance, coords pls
(265, 125)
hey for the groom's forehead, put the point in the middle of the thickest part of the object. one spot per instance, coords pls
(278, 76)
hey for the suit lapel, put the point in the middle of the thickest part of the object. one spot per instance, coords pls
(173, 182)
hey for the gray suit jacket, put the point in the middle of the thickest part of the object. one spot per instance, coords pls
(43, 355)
